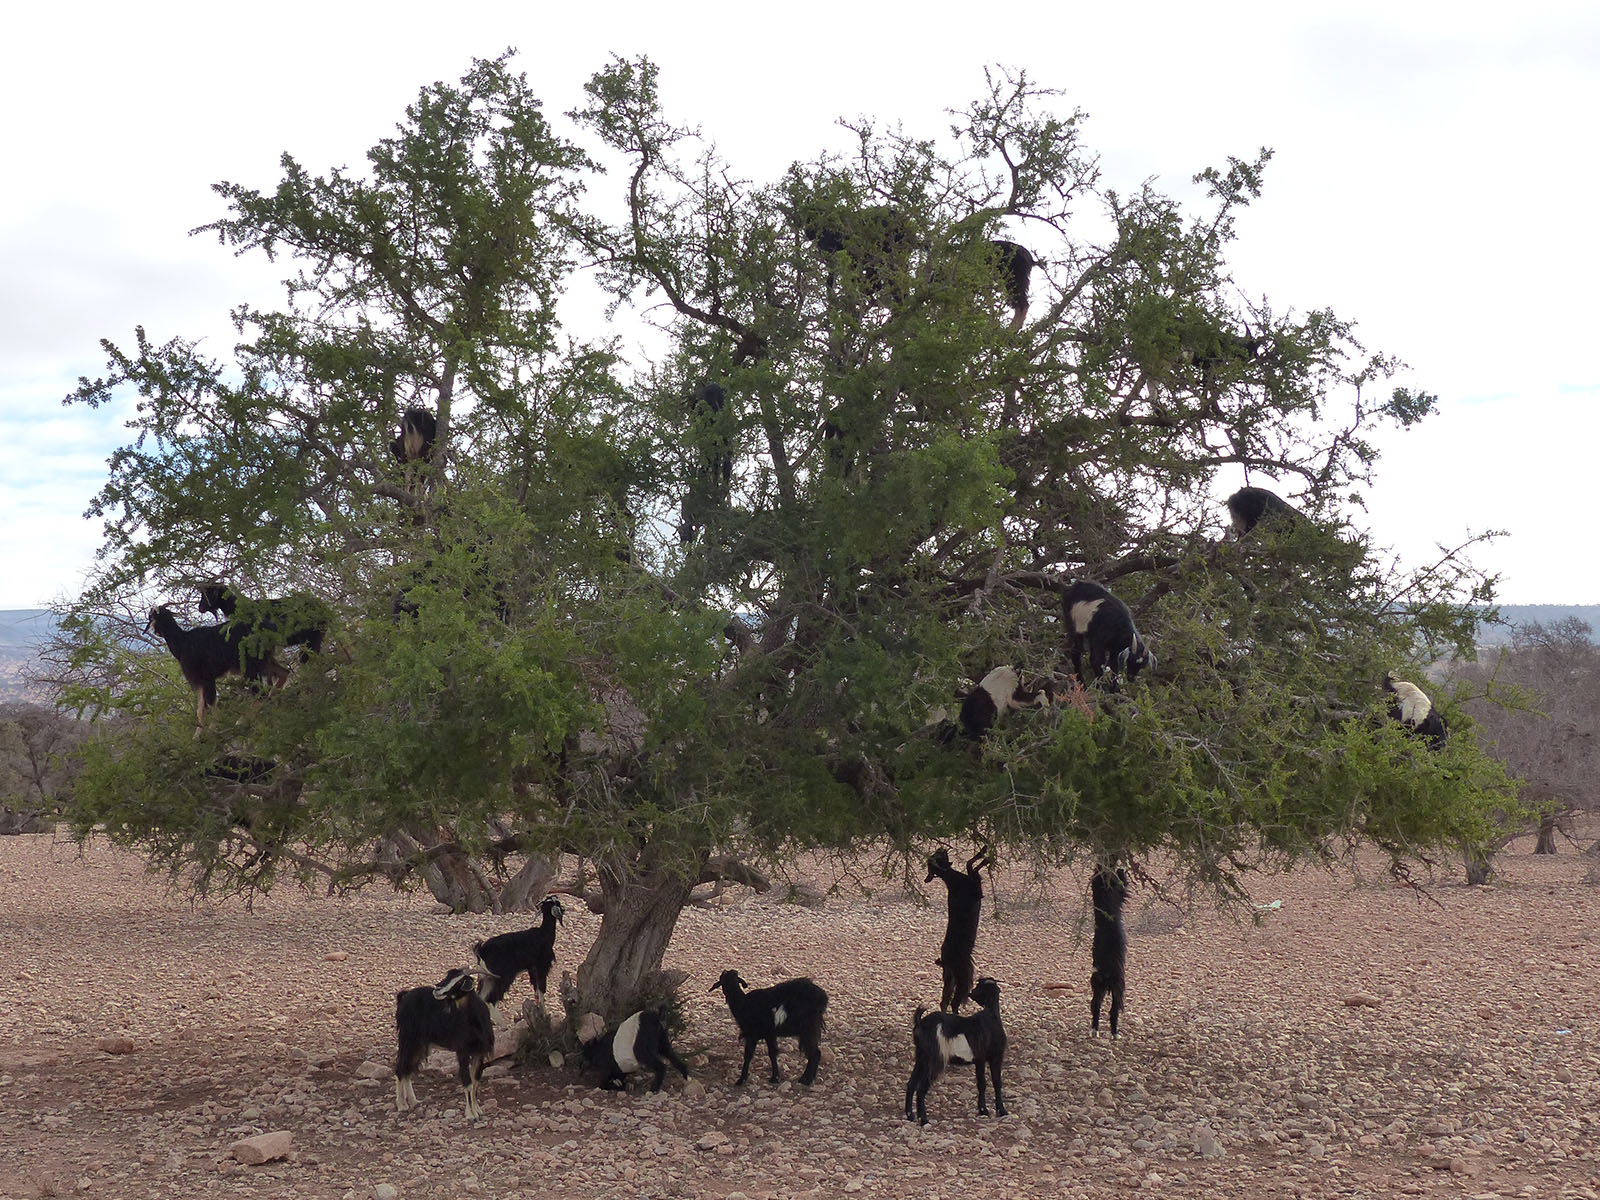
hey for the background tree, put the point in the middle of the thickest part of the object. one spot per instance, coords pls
(38, 763)
(1535, 702)
(610, 621)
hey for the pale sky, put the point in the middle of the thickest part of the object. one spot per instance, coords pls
(1435, 180)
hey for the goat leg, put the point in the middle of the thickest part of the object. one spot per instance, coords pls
(999, 1104)
(983, 1089)
(749, 1053)
(772, 1053)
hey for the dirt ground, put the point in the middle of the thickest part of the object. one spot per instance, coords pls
(1472, 1068)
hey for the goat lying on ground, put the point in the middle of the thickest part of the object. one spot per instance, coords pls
(961, 926)
(508, 955)
(944, 1038)
(208, 652)
(1109, 953)
(452, 1015)
(639, 1043)
(793, 1008)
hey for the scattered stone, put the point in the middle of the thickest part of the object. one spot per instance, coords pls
(711, 1140)
(115, 1043)
(336, 956)
(557, 1059)
(372, 1070)
(264, 1147)
(1207, 1145)
(1361, 1000)
(693, 1089)
(385, 1191)
(590, 1026)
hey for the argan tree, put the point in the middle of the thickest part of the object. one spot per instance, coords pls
(612, 617)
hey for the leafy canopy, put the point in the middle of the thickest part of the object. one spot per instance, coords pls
(608, 618)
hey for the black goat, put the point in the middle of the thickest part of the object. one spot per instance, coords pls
(1097, 619)
(298, 620)
(943, 1038)
(451, 1015)
(419, 430)
(1109, 953)
(1015, 264)
(1251, 506)
(878, 239)
(794, 1008)
(507, 955)
(1412, 708)
(639, 1043)
(961, 926)
(710, 433)
(208, 652)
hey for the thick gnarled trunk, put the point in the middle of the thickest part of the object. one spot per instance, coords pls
(623, 971)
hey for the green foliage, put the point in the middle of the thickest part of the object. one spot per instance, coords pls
(523, 657)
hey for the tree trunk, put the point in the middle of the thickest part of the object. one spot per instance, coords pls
(533, 880)
(623, 971)
(1480, 864)
(454, 880)
(1547, 834)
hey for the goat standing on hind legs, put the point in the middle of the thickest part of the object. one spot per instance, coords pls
(1108, 889)
(961, 927)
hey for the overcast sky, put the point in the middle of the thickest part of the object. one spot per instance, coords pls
(1435, 179)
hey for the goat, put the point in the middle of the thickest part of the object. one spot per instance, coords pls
(639, 1042)
(451, 1015)
(794, 1008)
(507, 955)
(961, 925)
(714, 473)
(944, 1038)
(1015, 264)
(1109, 952)
(1099, 620)
(878, 239)
(999, 691)
(419, 429)
(205, 654)
(1250, 506)
(1412, 708)
(298, 620)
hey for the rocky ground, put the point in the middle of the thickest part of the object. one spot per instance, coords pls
(1362, 1041)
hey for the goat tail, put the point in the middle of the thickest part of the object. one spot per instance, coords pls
(916, 1018)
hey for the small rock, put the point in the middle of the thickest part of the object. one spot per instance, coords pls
(1361, 1000)
(590, 1026)
(1207, 1145)
(384, 1191)
(264, 1147)
(693, 1089)
(826, 1056)
(557, 1059)
(336, 956)
(711, 1140)
(372, 1070)
(115, 1043)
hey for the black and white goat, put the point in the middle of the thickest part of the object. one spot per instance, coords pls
(1410, 705)
(639, 1043)
(999, 691)
(450, 1015)
(1097, 619)
(508, 955)
(208, 652)
(298, 620)
(1251, 506)
(419, 429)
(941, 1039)
(1015, 264)
(965, 903)
(1108, 890)
(794, 1008)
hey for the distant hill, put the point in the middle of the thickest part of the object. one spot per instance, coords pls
(22, 632)
(1521, 614)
